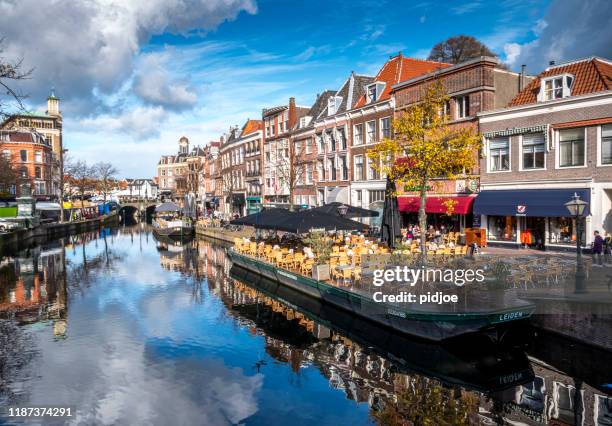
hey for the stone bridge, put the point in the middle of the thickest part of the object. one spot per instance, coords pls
(137, 210)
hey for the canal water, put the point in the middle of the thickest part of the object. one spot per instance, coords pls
(125, 329)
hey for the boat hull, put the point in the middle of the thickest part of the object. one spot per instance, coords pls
(435, 326)
(174, 232)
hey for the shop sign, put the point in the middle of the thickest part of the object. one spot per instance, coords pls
(521, 210)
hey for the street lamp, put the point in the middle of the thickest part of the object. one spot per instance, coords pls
(342, 209)
(576, 207)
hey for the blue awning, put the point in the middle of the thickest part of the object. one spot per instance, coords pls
(529, 202)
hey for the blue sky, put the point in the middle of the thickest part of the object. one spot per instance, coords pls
(135, 76)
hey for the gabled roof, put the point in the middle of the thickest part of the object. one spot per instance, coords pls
(591, 75)
(273, 110)
(399, 68)
(251, 126)
(350, 92)
(315, 110)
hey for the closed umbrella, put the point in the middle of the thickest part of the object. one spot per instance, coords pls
(390, 226)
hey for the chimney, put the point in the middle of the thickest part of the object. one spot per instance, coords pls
(522, 78)
(292, 116)
(551, 63)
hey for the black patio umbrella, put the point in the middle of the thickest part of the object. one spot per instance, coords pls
(391, 220)
(351, 211)
(168, 206)
(264, 219)
(306, 220)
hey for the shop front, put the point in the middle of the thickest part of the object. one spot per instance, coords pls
(452, 212)
(535, 218)
(236, 203)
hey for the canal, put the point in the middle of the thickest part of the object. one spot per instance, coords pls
(126, 329)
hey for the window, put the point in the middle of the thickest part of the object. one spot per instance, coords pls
(24, 155)
(332, 168)
(373, 173)
(372, 93)
(332, 140)
(553, 89)
(341, 137)
(38, 156)
(333, 104)
(571, 148)
(358, 134)
(358, 196)
(606, 144)
(344, 166)
(23, 172)
(371, 131)
(308, 146)
(320, 143)
(37, 172)
(40, 188)
(499, 152)
(385, 127)
(533, 151)
(309, 173)
(446, 109)
(7, 154)
(376, 195)
(320, 170)
(463, 106)
(359, 167)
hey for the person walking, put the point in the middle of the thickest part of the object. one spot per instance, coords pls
(597, 249)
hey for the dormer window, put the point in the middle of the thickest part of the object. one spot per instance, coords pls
(556, 87)
(373, 91)
(333, 104)
(305, 121)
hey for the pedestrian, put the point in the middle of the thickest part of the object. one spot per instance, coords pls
(597, 249)
(607, 248)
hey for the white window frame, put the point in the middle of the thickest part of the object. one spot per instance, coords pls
(462, 100)
(558, 151)
(521, 168)
(599, 142)
(373, 141)
(566, 90)
(489, 170)
(363, 175)
(380, 126)
(362, 134)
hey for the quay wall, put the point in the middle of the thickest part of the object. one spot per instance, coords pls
(17, 239)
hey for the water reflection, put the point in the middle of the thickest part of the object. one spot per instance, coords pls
(132, 330)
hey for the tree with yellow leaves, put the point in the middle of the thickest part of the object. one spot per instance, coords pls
(425, 150)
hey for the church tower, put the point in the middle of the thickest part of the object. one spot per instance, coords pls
(53, 105)
(184, 145)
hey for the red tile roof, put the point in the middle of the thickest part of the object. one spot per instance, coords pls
(591, 75)
(252, 126)
(398, 69)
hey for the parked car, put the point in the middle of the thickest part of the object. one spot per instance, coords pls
(7, 225)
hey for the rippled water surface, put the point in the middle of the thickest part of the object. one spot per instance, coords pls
(126, 329)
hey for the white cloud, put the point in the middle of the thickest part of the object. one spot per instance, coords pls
(466, 7)
(511, 52)
(85, 46)
(140, 122)
(422, 19)
(571, 29)
(154, 84)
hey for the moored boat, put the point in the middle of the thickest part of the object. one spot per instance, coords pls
(176, 228)
(428, 322)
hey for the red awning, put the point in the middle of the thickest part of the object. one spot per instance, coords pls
(463, 205)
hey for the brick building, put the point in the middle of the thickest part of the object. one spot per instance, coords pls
(172, 171)
(332, 129)
(31, 157)
(553, 140)
(49, 125)
(278, 122)
(473, 86)
(252, 137)
(371, 122)
(304, 145)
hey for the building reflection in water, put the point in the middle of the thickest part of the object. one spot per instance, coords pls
(33, 287)
(394, 394)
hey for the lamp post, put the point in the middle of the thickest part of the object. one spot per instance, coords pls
(576, 207)
(342, 209)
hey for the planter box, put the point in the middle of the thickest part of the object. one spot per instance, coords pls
(320, 272)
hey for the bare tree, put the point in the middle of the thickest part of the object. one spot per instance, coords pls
(105, 174)
(8, 176)
(292, 163)
(458, 49)
(81, 178)
(10, 73)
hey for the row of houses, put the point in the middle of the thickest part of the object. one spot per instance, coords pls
(545, 138)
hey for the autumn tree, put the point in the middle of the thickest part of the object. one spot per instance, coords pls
(11, 72)
(425, 150)
(458, 49)
(105, 174)
(8, 176)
